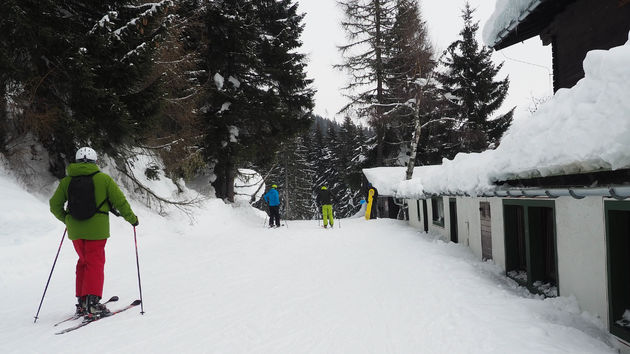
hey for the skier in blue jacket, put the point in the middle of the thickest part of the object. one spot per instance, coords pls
(273, 201)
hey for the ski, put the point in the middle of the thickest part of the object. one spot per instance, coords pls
(76, 317)
(85, 323)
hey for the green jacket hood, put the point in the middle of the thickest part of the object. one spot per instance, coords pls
(81, 169)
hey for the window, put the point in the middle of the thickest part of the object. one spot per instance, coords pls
(437, 211)
(530, 244)
(618, 251)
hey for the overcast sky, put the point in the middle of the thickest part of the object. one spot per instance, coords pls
(528, 64)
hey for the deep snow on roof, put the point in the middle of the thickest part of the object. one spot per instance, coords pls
(507, 14)
(386, 179)
(582, 129)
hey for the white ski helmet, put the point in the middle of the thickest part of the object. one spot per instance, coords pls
(85, 154)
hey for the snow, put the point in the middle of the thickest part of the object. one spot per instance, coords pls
(249, 182)
(507, 15)
(225, 106)
(582, 129)
(234, 131)
(387, 179)
(227, 284)
(218, 81)
(234, 81)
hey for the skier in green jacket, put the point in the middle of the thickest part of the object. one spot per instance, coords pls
(91, 195)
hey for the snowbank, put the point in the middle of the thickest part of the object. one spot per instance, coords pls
(248, 184)
(582, 129)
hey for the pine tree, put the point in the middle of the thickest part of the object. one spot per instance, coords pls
(83, 72)
(176, 136)
(349, 143)
(368, 25)
(332, 176)
(469, 83)
(257, 93)
(298, 179)
(318, 155)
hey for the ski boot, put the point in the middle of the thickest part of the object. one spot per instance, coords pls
(81, 310)
(94, 309)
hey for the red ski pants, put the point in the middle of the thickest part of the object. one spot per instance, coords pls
(90, 267)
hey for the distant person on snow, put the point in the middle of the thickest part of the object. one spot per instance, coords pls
(91, 195)
(273, 201)
(324, 199)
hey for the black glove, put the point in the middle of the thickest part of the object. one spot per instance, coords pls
(136, 223)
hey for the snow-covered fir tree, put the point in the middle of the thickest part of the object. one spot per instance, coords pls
(297, 179)
(257, 92)
(473, 94)
(81, 72)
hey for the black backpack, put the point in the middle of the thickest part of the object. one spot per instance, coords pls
(81, 199)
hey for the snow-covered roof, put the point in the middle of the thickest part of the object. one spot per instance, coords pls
(506, 16)
(386, 179)
(582, 129)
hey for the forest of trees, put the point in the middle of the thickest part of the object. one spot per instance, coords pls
(213, 86)
(328, 154)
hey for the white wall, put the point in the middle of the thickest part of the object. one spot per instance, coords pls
(413, 213)
(581, 242)
(469, 224)
(498, 231)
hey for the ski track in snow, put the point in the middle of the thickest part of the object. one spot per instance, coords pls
(229, 285)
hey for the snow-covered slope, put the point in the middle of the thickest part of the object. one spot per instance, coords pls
(226, 284)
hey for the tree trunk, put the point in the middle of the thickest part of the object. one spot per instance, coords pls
(378, 39)
(414, 147)
(224, 184)
(287, 208)
(3, 118)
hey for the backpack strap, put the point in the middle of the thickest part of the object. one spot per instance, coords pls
(111, 208)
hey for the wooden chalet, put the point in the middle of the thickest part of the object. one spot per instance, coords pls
(572, 28)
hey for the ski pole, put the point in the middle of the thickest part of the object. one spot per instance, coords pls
(50, 275)
(135, 240)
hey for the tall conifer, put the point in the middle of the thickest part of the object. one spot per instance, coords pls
(473, 94)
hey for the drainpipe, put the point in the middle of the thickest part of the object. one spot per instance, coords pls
(616, 192)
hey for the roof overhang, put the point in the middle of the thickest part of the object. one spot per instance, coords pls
(531, 23)
(608, 184)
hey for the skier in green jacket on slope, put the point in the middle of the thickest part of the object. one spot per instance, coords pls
(91, 195)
